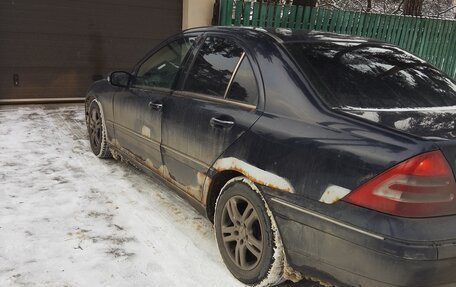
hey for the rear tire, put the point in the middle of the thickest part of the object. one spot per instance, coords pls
(247, 235)
(97, 131)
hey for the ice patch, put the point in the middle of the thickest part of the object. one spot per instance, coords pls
(373, 116)
(145, 131)
(403, 124)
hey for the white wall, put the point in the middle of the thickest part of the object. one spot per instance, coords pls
(197, 13)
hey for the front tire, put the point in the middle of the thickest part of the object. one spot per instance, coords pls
(247, 236)
(97, 131)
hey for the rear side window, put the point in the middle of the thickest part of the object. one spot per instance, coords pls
(244, 85)
(372, 75)
(160, 69)
(213, 67)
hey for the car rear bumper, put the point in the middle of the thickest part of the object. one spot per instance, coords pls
(342, 255)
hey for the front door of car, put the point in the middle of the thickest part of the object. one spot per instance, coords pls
(138, 110)
(215, 105)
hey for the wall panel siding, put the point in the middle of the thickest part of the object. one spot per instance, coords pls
(58, 46)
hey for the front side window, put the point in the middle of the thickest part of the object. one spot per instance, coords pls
(213, 67)
(161, 69)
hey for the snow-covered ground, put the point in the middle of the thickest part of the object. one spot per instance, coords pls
(70, 219)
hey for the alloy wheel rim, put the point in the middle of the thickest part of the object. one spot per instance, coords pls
(242, 234)
(95, 128)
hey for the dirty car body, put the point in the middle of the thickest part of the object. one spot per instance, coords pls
(278, 122)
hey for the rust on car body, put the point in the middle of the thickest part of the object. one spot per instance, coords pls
(254, 173)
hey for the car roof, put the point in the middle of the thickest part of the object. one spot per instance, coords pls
(284, 35)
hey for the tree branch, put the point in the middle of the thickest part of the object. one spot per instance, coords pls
(330, 5)
(336, 4)
(446, 10)
(399, 7)
(360, 5)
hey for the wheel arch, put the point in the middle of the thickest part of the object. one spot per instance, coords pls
(215, 187)
(225, 169)
(88, 100)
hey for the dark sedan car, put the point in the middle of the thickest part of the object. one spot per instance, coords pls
(316, 155)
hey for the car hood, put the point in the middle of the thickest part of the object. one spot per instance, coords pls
(429, 123)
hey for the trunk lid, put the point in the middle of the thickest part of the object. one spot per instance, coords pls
(436, 124)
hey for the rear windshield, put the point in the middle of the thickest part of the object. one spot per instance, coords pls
(370, 75)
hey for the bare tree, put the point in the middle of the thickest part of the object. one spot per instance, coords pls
(430, 8)
(311, 3)
(369, 6)
(413, 7)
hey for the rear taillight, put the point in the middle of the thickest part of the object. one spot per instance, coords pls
(422, 186)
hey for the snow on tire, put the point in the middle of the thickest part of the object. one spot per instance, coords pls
(97, 130)
(247, 235)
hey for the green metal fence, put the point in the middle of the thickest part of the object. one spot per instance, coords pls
(431, 39)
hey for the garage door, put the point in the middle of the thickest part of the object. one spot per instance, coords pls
(54, 49)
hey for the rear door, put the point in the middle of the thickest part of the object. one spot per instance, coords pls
(138, 110)
(217, 102)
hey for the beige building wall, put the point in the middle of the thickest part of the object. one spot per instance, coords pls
(197, 13)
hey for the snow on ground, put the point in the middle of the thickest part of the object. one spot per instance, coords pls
(68, 218)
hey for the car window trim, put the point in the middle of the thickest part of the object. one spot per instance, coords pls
(236, 68)
(166, 45)
(246, 57)
(159, 46)
(214, 99)
(150, 88)
(157, 49)
(191, 62)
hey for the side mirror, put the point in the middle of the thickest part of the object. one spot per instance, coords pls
(120, 79)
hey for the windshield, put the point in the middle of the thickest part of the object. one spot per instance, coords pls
(372, 76)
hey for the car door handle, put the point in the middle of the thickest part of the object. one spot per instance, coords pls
(156, 106)
(215, 122)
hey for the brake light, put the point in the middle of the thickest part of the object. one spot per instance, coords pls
(422, 186)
